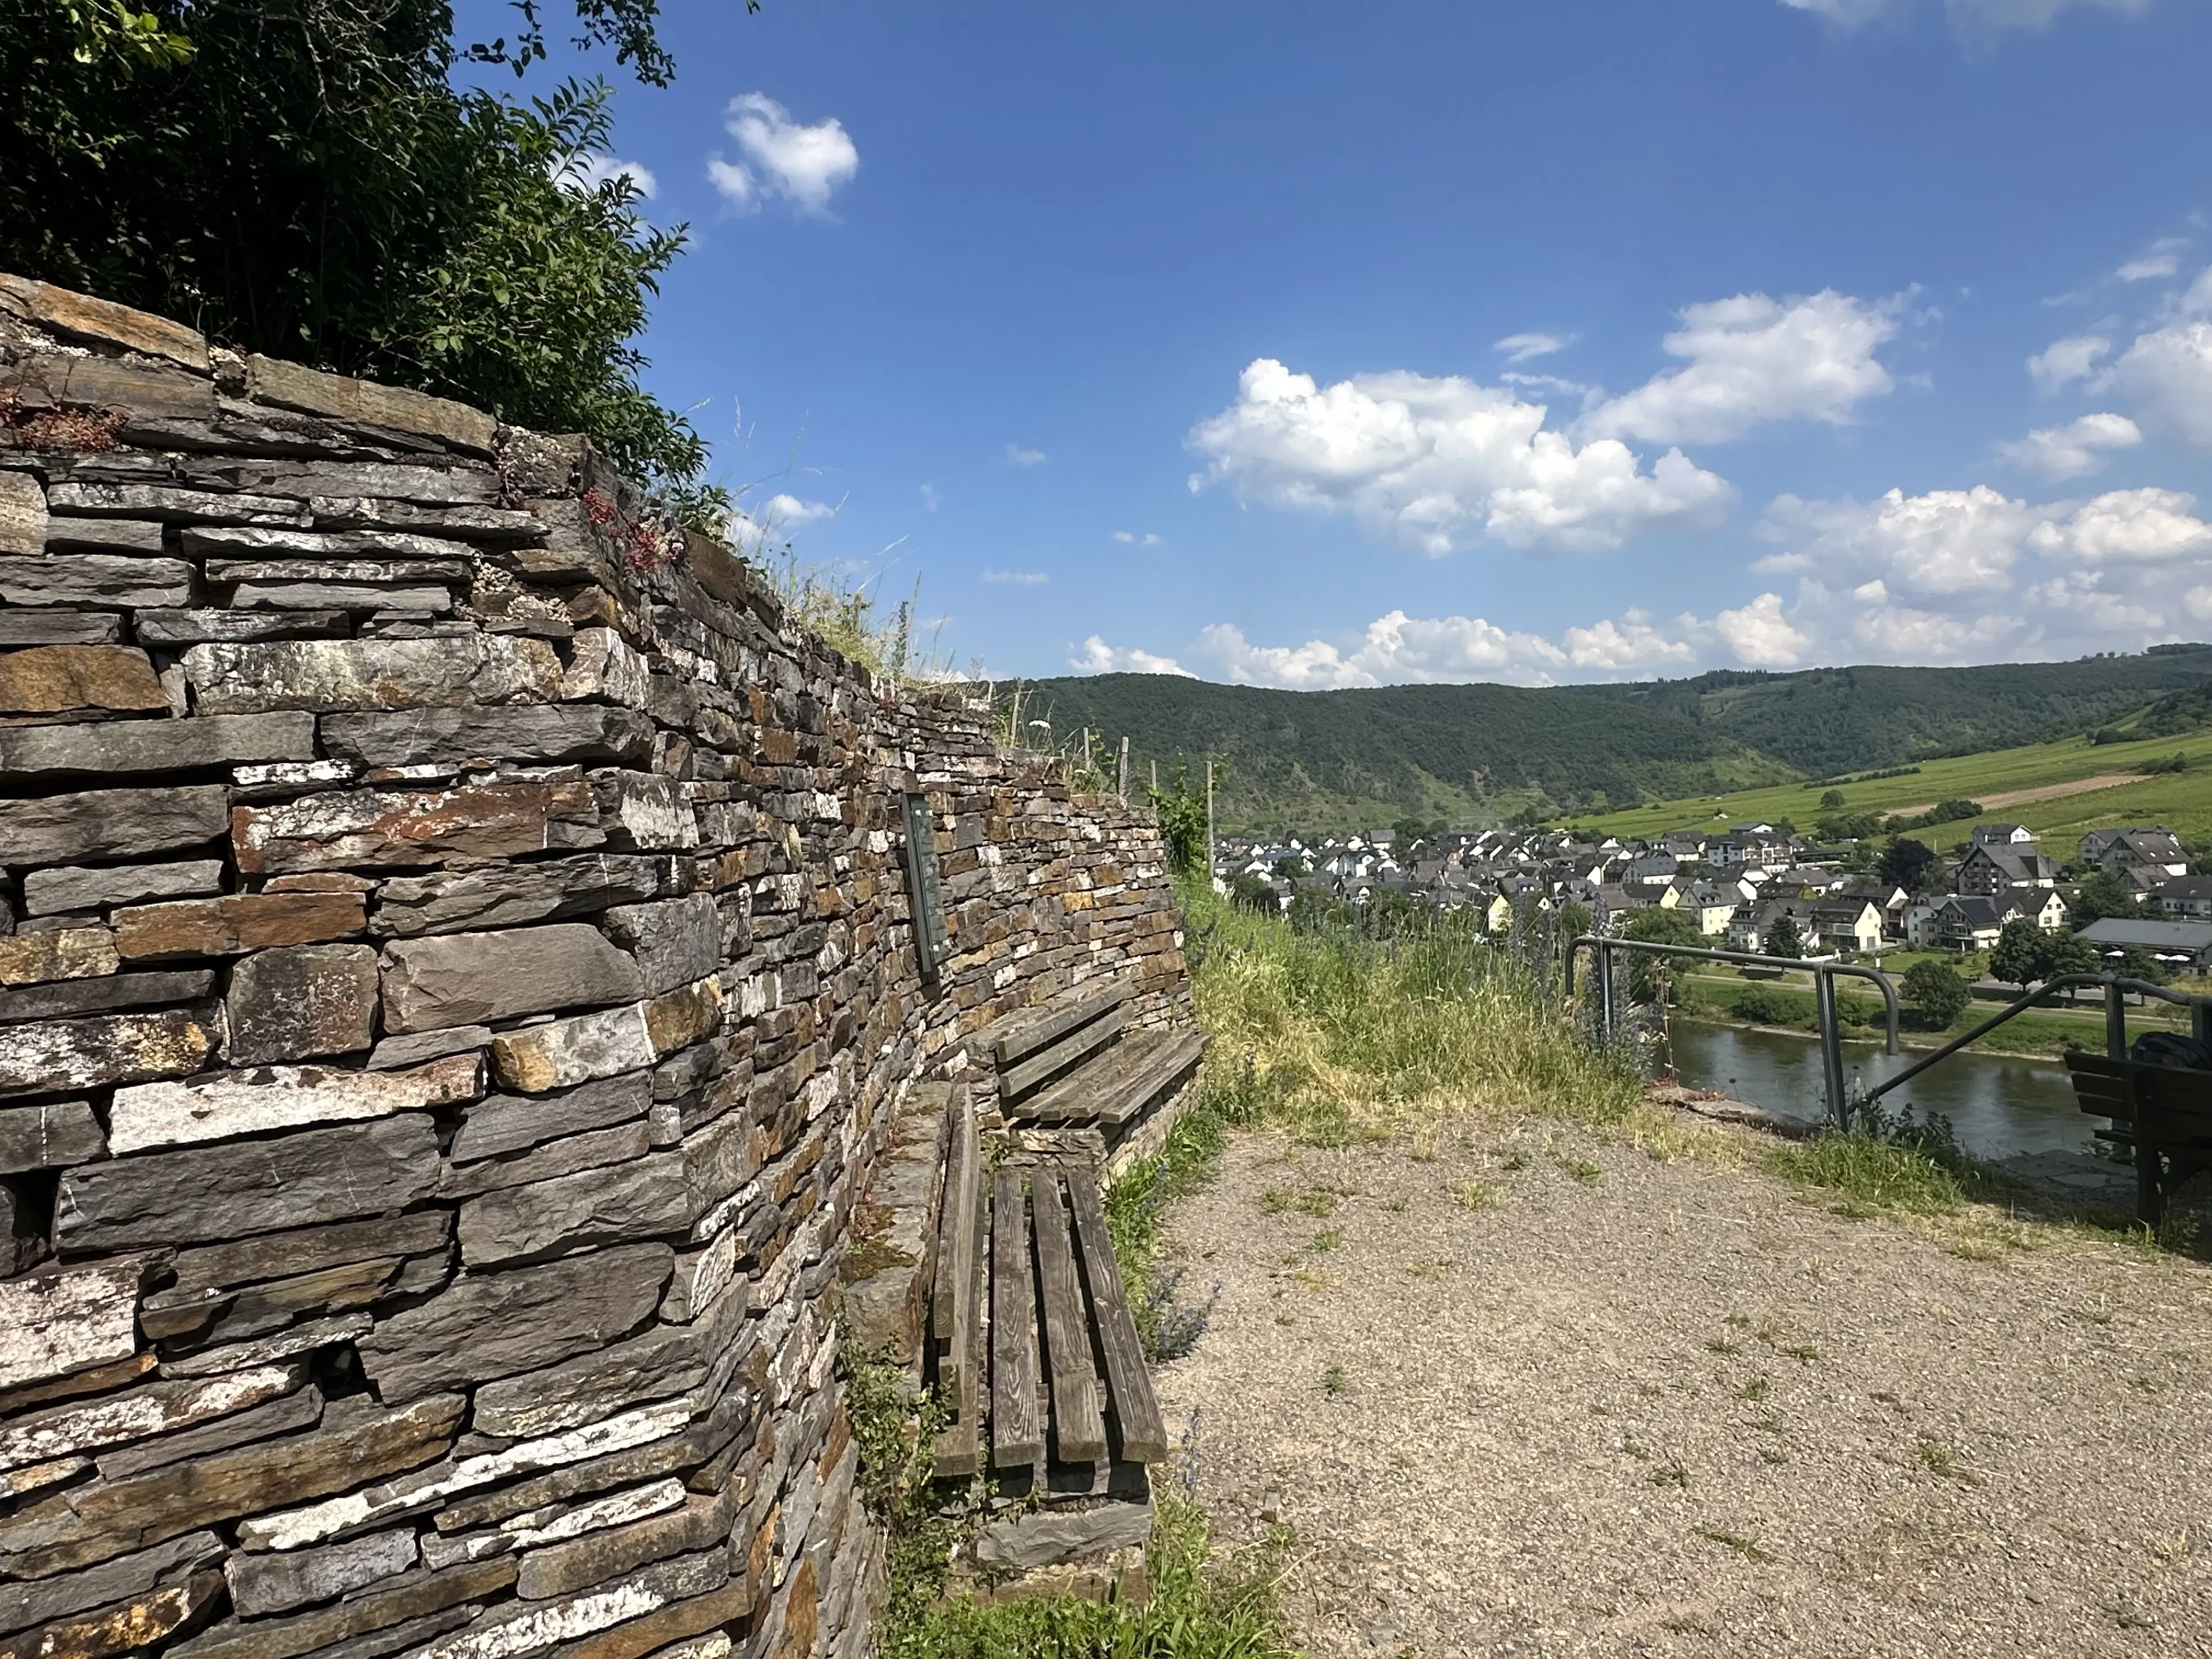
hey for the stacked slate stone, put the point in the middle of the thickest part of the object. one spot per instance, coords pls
(455, 976)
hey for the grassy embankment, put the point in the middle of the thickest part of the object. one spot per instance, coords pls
(2180, 800)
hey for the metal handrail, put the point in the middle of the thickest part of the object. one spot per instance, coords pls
(2116, 1026)
(1824, 998)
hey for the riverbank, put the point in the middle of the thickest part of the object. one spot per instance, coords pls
(1513, 1381)
(2046, 1034)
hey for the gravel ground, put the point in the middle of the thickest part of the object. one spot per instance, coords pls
(1542, 1395)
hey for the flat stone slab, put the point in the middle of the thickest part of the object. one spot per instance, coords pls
(328, 676)
(395, 829)
(57, 1322)
(61, 1057)
(203, 1193)
(110, 823)
(471, 979)
(168, 745)
(229, 1105)
(480, 1328)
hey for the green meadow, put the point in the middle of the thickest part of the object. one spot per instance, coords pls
(2180, 800)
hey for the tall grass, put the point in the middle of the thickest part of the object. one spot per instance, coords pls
(1341, 1032)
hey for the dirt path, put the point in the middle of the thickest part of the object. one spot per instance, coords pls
(1623, 1407)
(2021, 797)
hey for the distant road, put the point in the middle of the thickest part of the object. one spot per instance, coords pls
(2021, 797)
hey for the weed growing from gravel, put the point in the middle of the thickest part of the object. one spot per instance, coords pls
(1672, 1472)
(1474, 1194)
(1722, 1345)
(1326, 1242)
(1755, 1390)
(1939, 1458)
(1748, 1547)
(1581, 1170)
(1334, 1383)
(1317, 1203)
(1275, 1200)
(1772, 1455)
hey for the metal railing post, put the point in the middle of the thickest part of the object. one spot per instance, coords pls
(1832, 1047)
(1605, 988)
(2116, 1020)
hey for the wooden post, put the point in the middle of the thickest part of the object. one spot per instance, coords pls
(1209, 820)
(1121, 775)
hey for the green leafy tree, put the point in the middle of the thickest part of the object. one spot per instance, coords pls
(1909, 864)
(2066, 953)
(1250, 892)
(300, 178)
(1290, 868)
(2136, 963)
(1832, 800)
(2022, 953)
(1573, 920)
(1649, 976)
(2101, 895)
(1783, 939)
(1182, 814)
(1936, 993)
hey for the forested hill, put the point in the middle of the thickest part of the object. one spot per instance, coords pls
(1827, 721)
(1462, 753)
(1470, 754)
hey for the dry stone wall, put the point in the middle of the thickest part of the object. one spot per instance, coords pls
(456, 981)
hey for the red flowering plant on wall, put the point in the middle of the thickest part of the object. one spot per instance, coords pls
(642, 547)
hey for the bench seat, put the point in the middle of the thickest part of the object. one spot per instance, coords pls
(1035, 1348)
(2164, 1113)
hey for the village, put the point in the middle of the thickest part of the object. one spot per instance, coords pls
(2128, 893)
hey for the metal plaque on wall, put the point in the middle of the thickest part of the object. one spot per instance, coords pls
(932, 943)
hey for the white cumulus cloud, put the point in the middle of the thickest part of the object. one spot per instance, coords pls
(1147, 540)
(2126, 525)
(1097, 657)
(2075, 450)
(1018, 578)
(1439, 460)
(2065, 362)
(2169, 371)
(1753, 359)
(1024, 458)
(805, 164)
(1947, 541)
(1760, 634)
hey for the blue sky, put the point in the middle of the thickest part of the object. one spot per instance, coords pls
(1318, 345)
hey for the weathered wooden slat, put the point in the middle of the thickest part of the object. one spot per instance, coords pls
(1083, 1091)
(1018, 1080)
(1024, 1033)
(1017, 1437)
(1078, 1432)
(1136, 1409)
(1166, 1064)
(955, 1217)
(959, 1451)
(1117, 1086)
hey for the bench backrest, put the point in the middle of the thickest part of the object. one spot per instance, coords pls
(1037, 1045)
(2115, 1088)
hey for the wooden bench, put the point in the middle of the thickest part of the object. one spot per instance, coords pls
(2163, 1112)
(1078, 1063)
(1035, 1351)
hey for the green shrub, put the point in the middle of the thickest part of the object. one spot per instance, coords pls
(1762, 1005)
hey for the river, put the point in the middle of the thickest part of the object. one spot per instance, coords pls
(1998, 1106)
